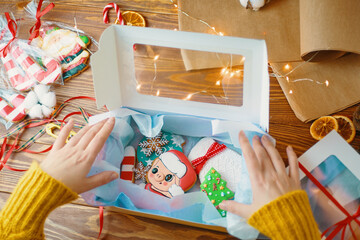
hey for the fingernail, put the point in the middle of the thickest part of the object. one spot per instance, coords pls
(265, 138)
(114, 176)
(223, 205)
(289, 148)
(110, 120)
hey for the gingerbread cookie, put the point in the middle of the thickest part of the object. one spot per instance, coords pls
(13, 109)
(207, 154)
(24, 72)
(170, 175)
(151, 148)
(66, 46)
(216, 189)
(128, 164)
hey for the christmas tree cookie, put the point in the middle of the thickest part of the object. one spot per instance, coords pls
(151, 148)
(216, 190)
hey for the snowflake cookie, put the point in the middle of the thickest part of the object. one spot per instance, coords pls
(216, 189)
(151, 148)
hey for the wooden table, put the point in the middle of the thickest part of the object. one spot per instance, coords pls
(80, 221)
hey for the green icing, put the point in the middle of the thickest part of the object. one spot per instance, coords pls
(73, 71)
(85, 39)
(68, 59)
(170, 142)
(52, 29)
(216, 190)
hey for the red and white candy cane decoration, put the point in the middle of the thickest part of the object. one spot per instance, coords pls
(27, 72)
(128, 164)
(14, 113)
(117, 10)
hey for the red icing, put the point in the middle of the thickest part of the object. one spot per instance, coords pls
(190, 177)
(148, 187)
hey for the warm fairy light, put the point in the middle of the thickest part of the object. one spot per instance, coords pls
(287, 67)
(287, 79)
(175, 5)
(138, 86)
(188, 96)
(218, 83)
(231, 74)
(223, 70)
(291, 91)
(175, 29)
(156, 57)
(327, 83)
(221, 34)
(227, 72)
(158, 93)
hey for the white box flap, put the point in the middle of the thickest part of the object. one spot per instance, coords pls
(113, 68)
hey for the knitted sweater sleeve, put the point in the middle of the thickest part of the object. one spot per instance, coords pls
(35, 196)
(288, 217)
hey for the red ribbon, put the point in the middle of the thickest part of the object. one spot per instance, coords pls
(13, 30)
(214, 149)
(34, 31)
(101, 219)
(341, 225)
(7, 155)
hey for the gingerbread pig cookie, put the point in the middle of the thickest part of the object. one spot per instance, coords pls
(151, 148)
(171, 174)
(67, 47)
(207, 154)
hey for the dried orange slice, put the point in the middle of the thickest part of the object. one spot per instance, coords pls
(133, 19)
(322, 126)
(346, 128)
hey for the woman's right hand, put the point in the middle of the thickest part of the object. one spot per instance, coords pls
(267, 173)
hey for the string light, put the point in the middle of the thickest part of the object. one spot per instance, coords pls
(217, 83)
(138, 87)
(158, 93)
(287, 67)
(200, 20)
(156, 57)
(291, 91)
(188, 97)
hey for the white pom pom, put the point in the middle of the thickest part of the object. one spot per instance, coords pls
(253, 4)
(176, 190)
(35, 112)
(46, 111)
(41, 90)
(30, 100)
(48, 99)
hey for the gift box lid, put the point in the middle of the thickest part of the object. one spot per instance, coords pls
(115, 78)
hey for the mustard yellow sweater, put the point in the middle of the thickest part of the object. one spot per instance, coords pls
(37, 194)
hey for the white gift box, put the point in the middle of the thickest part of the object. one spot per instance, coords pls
(116, 83)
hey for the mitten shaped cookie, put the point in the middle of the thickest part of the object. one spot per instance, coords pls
(207, 154)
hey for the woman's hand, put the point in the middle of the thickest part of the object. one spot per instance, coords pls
(70, 163)
(268, 176)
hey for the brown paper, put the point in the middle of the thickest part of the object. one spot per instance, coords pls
(308, 93)
(230, 18)
(329, 30)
